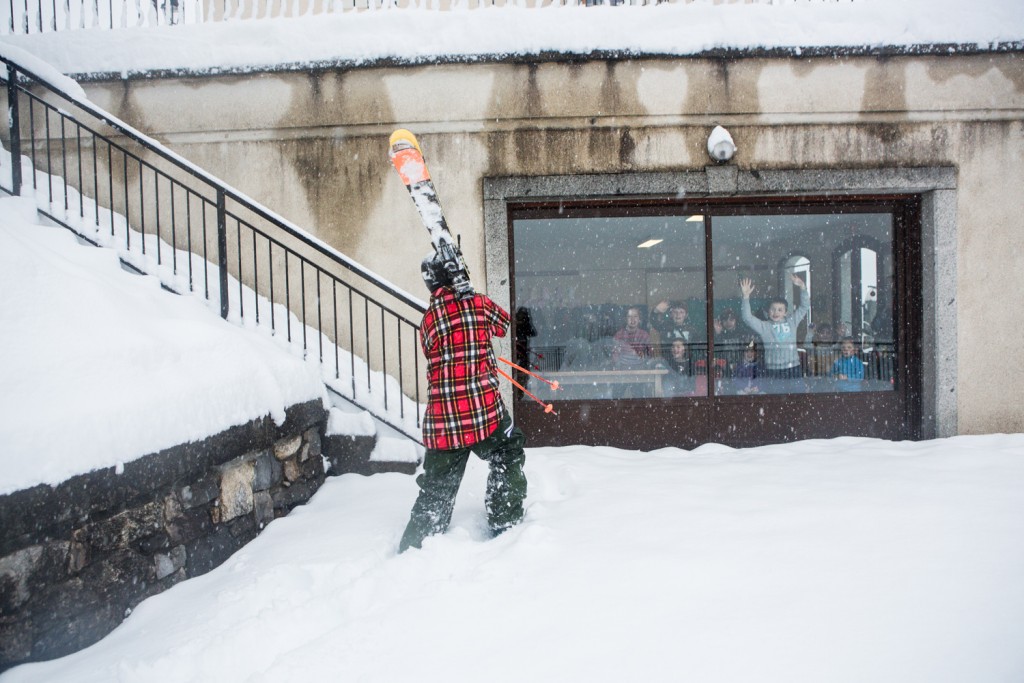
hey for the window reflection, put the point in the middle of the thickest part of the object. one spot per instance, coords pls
(616, 305)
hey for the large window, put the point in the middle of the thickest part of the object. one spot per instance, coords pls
(705, 312)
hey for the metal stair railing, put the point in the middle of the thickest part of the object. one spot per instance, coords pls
(116, 187)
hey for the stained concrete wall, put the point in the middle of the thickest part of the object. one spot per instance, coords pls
(312, 146)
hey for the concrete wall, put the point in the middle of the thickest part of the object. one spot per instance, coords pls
(312, 146)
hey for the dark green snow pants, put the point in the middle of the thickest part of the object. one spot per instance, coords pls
(442, 474)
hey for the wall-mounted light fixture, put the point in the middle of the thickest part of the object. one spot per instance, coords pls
(648, 244)
(720, 145)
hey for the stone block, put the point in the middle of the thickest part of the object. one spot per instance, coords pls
(292, 473)
(163, 566)
(302, 417)
(202, 491)
(126, 527)
(31, 515)
(268, 472)
(286, 448)
(236, 490)
(26, 572)
(298, 493)
(16, 571)
(263, 507)
(243, 529)
(313, 468)
(78, 554)
(154, 543)
(120, 574)
(172, 507)
(312, 437)
(167, 564)
(190, 525)
(207, 552)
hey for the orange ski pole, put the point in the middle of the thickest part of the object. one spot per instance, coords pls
(548, 408)
(553, 385)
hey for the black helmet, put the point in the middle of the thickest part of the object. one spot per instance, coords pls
(434, 273)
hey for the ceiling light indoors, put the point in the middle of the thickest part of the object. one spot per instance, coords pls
(648, 244)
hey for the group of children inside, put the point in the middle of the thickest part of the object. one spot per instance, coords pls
(767, 361)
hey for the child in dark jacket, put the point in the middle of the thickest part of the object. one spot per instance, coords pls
(679, 381)
(748, 371)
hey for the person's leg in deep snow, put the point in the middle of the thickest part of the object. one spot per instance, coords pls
(506, 481)
(443, 472)
(439, 484)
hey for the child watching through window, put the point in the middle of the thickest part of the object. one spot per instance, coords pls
(848, 370)
(781, 359)
(748, 372)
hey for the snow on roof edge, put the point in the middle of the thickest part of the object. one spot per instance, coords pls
(882, 50)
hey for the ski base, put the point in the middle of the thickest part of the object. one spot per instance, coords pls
(407, 158)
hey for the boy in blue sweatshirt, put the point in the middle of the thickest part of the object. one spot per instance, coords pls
(848, 370)
(778, 333)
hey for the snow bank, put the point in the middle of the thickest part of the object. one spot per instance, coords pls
(102, 366)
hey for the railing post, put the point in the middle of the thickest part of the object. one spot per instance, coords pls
(14, 126)
(222, 251)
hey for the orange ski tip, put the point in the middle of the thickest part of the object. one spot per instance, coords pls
(409, 164)
(550, 409)
(555, 386)
(402, 135)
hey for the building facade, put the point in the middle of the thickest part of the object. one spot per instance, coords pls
(875, 197)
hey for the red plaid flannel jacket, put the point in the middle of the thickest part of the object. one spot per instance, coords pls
(463, 404)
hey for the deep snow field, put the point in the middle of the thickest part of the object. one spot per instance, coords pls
(835, 560)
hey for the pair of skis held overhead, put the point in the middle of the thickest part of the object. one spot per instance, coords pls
(407, 158)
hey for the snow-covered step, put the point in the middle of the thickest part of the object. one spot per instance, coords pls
(357, 442)
(396, 450)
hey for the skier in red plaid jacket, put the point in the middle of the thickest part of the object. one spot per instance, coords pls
(465, 412)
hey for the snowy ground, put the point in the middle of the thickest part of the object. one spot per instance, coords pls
(842, 560)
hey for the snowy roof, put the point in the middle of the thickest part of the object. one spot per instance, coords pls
(414, 35)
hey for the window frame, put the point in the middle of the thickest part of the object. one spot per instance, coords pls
(757, 419)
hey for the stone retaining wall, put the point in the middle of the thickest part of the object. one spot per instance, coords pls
(75, 559)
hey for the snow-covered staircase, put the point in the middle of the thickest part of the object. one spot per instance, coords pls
(116, 188)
